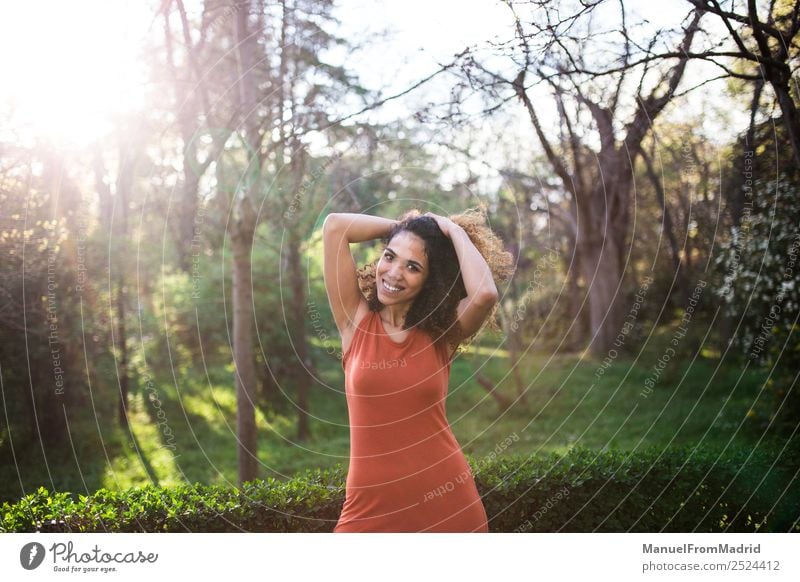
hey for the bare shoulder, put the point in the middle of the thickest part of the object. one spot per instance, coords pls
(348, 332)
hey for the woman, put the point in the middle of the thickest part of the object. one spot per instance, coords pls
(431, 290)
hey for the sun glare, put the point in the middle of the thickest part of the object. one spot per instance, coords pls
(69, 67)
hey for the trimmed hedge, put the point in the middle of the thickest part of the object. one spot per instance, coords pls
(583, 491)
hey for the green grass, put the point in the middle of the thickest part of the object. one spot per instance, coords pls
(565, 405)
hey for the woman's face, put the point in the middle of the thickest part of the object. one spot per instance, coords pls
(403, 267)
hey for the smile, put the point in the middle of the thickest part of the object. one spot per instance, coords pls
(389, 288)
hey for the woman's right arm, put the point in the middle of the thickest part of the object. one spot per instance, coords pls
(339, 269)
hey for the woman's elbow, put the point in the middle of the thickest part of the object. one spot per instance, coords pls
(488, 297)
(331, 222)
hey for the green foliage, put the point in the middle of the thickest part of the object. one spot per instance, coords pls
(759, 268)
(40, 324)
(672, 490)
(675, 490)
(304, 503)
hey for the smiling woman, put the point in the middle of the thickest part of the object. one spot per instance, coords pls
(432, 287)
(68, 67)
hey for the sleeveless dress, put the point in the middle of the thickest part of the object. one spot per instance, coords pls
(407, 472)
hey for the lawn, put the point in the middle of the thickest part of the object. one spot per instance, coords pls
(567, 402)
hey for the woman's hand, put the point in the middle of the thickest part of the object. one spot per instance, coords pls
(445, 224)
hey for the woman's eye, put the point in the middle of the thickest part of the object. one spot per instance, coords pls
(389, 257)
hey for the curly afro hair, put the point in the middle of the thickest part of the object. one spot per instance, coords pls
(434, 310)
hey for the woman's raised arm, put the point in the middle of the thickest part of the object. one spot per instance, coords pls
(481, 290)
(339, 268)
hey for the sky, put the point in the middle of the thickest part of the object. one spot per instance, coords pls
(73, 65)
(424, 33)
(68, 66)
(420, 35)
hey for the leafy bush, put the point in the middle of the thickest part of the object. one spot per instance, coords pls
(677, 490)
(759, 276)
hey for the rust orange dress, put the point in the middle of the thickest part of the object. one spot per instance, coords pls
(407, 472)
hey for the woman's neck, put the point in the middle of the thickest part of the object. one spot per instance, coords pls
(394, 315)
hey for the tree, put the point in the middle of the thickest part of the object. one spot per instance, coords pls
(767, 37)
(599, 106)
(278, 91)
(193, 86)
(759, 282)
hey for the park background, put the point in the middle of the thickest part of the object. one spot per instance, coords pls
(165, 169)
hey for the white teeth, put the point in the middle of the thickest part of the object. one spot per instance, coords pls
(389, 288)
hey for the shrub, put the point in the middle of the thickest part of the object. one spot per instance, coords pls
(677, 490)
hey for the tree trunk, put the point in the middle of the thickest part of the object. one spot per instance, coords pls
(122, 348)
(120, 205)
(242, 245)
(571, 260)
(514, 332)
(514, 345)
(187, 217)
(242, 234)
(602, 273)
(791, 119)
(602, 230)
(302, 374)
(669, 229)
(491, 389)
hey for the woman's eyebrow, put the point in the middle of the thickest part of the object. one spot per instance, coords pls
(391, 250)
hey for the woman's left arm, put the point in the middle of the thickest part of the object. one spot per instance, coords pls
(477, 276)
